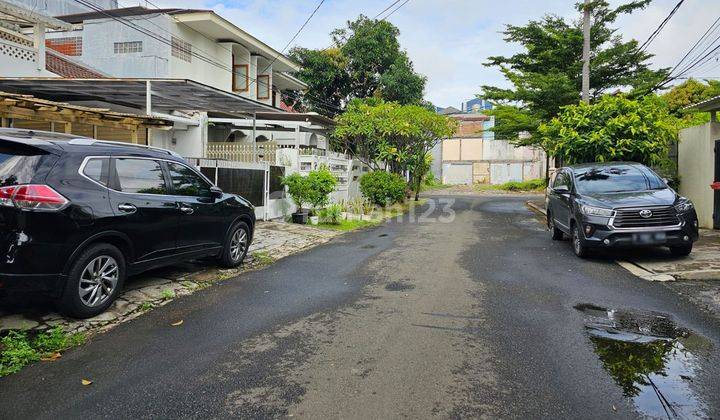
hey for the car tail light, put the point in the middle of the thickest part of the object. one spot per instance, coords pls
(32, 197)
(6, 194)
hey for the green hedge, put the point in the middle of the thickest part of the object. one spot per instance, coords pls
(383, 188)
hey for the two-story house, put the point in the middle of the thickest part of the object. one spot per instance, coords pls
(199, 45)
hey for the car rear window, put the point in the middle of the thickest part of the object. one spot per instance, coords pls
(97, 169)
(140, 176)
(20, 163)
(615, 179)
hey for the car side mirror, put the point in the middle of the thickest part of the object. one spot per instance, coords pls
(216, 192)
(561, 189)
(666, 181)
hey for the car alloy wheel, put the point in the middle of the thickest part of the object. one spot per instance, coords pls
(98, 280)
(238, 243)
(578, 247)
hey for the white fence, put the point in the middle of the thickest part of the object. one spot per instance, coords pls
(243, 152)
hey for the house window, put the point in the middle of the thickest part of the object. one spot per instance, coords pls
(181, 49)
(127, 47)
(241, 77)
(263, 86)
(69, 45)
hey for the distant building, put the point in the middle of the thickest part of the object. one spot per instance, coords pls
(63, 7)
(476, 106)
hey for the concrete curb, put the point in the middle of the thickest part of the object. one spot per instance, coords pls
(643, 273)
(534, 207)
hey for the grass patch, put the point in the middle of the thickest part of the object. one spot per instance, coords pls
(18, 349)
(348, 225)
(146, 306)
(167, 294)
(262, 258)
(534, 185)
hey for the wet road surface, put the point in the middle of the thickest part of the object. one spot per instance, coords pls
(479, 314)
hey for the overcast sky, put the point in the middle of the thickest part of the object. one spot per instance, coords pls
(448, 40)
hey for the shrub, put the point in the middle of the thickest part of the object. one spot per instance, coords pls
(297, 188)
(530, 185)
(332, 214)
(320, 183)
(383, 188)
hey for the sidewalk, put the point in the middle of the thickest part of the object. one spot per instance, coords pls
(272, 241)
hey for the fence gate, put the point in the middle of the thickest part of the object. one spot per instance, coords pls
(259, 183)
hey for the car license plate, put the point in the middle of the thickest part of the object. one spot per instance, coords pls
(649, 238)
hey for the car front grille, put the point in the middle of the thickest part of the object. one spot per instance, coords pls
(631, 218)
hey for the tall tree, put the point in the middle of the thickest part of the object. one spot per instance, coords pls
(375, 131)
(547, 74)
(366, 61)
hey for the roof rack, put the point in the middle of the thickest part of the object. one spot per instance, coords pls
(90, 142)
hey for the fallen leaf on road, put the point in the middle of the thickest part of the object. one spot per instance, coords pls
(177, 323)
(614, 408)
(86, 382)
(51, 358)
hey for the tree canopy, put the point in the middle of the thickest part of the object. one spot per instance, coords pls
(365, 61)
(547, 74)
(375, 131)
(613, 128)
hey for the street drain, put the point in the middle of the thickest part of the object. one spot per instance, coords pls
(652, 359)
(398, 286)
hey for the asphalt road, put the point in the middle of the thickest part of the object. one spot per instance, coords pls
(465, 316)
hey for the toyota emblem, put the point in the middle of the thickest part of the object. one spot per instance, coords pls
(645, 214)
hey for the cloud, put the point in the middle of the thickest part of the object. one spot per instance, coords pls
(450, 40)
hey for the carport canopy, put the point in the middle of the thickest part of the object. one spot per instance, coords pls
(162, 95)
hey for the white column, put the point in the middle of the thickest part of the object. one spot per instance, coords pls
(39, 44)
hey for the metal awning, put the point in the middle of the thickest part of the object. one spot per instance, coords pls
(166, 94)
(709, 105)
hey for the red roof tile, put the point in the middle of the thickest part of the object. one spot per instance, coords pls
(64, 67)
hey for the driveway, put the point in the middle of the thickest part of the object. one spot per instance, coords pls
(477, 315)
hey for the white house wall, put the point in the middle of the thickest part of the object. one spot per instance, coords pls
(100, 36)
(219, 76)
(696, 168)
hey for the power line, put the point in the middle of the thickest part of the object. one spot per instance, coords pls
(387, 8)
(709, 29)
(396, 9)
(655, 33)
(294, 36)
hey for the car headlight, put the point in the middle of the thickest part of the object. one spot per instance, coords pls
(596, 211)
(683, 205)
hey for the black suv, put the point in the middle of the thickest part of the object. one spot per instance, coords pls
(618, 204)
(77, 216)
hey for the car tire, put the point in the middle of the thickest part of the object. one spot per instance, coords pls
(681, 251)
(236, 245)
(94, 281)
(557, 234)
(578, 247)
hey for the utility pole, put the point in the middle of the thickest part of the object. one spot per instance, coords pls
(586, 53)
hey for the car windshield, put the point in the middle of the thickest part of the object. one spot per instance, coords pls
(616, 179)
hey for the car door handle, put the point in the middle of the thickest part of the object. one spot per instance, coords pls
(187, 210)
(127, 208)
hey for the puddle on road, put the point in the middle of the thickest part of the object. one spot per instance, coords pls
(652, 359)
(399, 286)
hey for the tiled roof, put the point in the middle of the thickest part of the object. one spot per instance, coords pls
(64, 67)
(124, 13)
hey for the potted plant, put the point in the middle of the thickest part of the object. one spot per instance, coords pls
(298, 191)
(320, 183)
